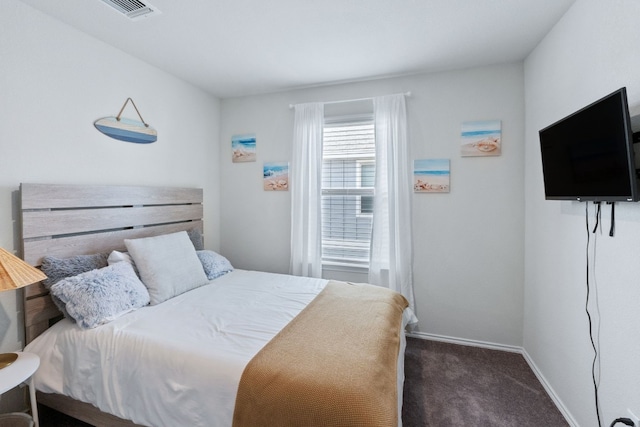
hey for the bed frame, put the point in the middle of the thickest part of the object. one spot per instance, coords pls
(68, 220)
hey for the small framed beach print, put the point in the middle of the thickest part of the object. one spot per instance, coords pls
(431, 176)
(275, 176)
(481, 138)
(243, 148)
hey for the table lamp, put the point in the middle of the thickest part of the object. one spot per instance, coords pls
(14, 274)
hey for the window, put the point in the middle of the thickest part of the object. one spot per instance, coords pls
(348, 172)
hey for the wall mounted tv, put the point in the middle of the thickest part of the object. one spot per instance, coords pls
(589, 154)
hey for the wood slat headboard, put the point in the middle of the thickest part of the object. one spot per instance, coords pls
(68, 220)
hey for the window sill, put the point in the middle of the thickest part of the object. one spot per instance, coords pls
(350, 268)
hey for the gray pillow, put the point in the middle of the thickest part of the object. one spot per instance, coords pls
(57, 269)
(168, 265)
(214, 264)
(196, 238)
(99, 296)
(60, 268)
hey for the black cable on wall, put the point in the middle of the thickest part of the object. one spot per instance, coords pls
(586, 307)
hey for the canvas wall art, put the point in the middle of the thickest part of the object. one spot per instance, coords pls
(243, 148)
(481, 138)
(431, 176)
(276, 176)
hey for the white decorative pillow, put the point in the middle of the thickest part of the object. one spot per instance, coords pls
(117, 256)
(214, 264)
(168, 265)
(99, 296)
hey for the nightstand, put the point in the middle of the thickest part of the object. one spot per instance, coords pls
(19, 372)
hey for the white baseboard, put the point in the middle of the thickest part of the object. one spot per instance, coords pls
(463, 341)
(550, 391)
(510, 348)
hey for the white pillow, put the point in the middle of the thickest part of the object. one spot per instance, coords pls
(168, 265)
(117, 256)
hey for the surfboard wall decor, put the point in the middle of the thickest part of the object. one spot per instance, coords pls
(125, 129)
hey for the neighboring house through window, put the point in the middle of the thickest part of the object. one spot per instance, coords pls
(348, 173)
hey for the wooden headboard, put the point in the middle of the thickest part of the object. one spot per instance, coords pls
(68, 220)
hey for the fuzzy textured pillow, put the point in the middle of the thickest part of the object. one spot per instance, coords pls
(168, 265)
(99, 296)
(60, 268)
(214, 264)
(57, 269)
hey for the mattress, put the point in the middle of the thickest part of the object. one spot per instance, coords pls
(179, 362)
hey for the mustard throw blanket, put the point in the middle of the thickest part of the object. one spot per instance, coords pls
(334, 364)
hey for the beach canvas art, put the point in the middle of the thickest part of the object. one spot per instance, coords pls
(482, 138)
(243, 148)
(431, 176)
(276, 176)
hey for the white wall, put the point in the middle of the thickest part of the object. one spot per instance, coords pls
(591, 52)
(468, 244)
(54, 83)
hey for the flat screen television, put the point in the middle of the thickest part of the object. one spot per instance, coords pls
(589, 154)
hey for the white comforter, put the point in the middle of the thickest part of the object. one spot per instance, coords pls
(177, 363)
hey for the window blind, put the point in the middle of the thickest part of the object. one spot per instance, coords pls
(348, 172)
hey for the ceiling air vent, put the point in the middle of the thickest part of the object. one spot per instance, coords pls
(133, 9)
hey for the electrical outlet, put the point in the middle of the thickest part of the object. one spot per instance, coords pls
(634, 418)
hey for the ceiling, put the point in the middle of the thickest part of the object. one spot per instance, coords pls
(243, 47)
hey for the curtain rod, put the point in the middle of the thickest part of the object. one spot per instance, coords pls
(407, 94)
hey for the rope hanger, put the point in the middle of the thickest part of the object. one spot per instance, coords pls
(134, 106)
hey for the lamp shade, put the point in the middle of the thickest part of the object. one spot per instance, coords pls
(15, 273)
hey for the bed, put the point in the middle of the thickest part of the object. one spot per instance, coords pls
(244, 348)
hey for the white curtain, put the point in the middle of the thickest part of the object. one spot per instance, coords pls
(306, 176)
(391, 243)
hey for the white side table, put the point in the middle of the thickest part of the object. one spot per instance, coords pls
(21, 371)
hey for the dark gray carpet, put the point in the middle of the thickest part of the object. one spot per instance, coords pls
(452, 385)
(455, 385)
